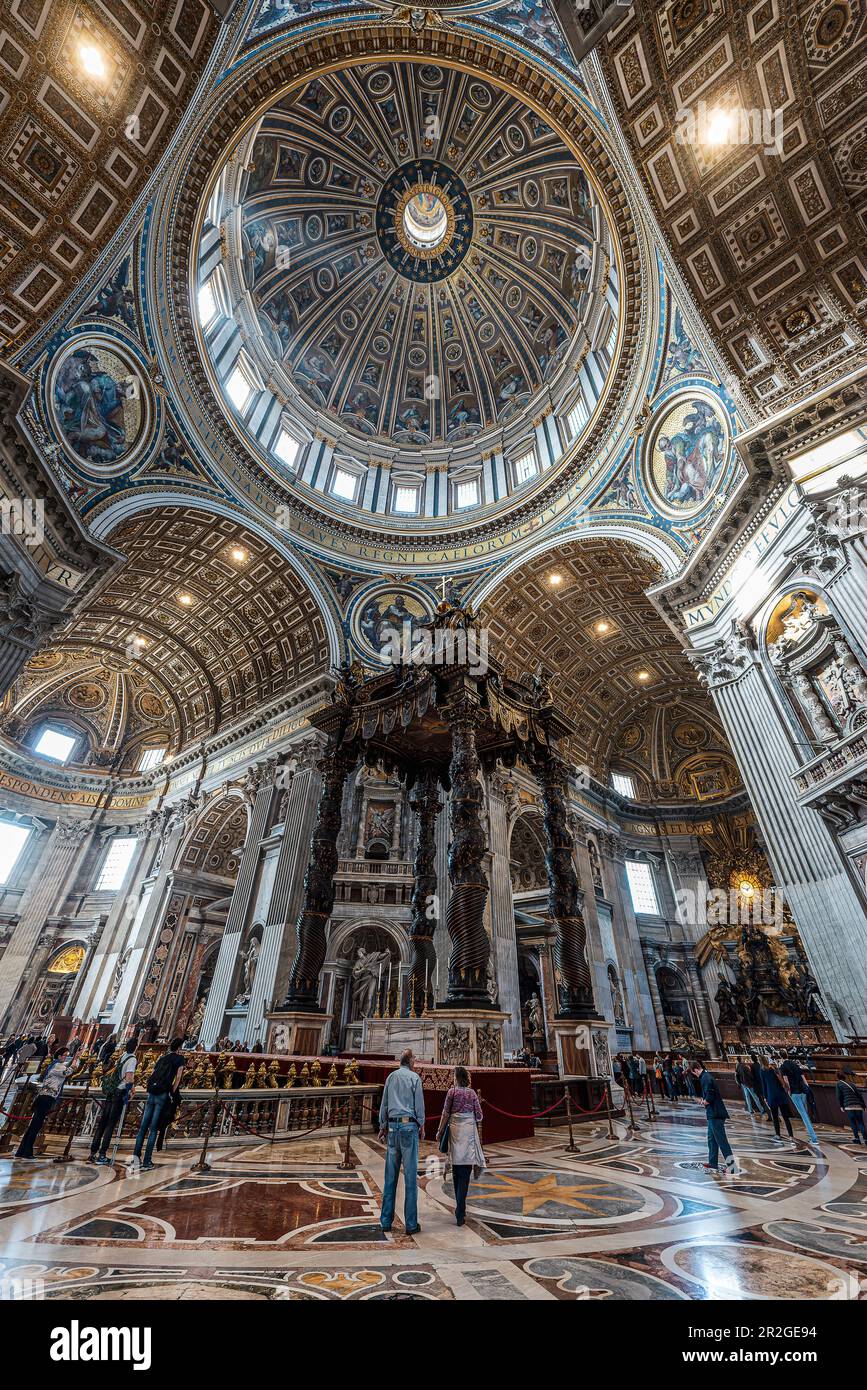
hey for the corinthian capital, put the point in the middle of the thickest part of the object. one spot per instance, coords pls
(728, 659)
(71, 832)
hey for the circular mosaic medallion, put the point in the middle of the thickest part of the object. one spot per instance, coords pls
(384, 620)
(424, 221)
(687, 455)
(98, 402)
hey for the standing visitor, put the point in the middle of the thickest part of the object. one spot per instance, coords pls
(851, 1102)
(717, 1140)
(658, 1076)
(401, 1122)
(642, 1072)
(460, 1118)
(107, 1050)
(791, 1072)
(117, 1088)
(744, 1078)
(165, 1078)
(758, 1084)
(777, 1097)
(668, 1076)
(49, 1094)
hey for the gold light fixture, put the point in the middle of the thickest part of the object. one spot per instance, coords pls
(139, 642)
(239, 554)
(186, 600)
(555, 579)
(92, 62)
(643, 676)
(602, 627)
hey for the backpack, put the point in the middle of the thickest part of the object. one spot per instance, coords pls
(162, 1075)
(111, 1081)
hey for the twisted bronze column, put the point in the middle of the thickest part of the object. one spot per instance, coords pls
(574, 985)
(303, 992)
(469, 886)
(424, 903)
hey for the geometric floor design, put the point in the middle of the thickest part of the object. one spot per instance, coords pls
(628, 1218)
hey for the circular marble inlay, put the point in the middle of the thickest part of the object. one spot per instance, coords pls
(729, 1270)
(557, 1196)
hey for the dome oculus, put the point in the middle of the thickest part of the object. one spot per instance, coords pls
(424, 220)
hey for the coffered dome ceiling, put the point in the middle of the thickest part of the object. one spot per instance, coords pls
(411, 253)
(580, 611)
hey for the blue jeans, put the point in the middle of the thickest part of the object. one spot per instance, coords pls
(149, 1122)
(717, 1143)
(800, 1104)
(402, 1151)
(856, 1120)
(751, 1099)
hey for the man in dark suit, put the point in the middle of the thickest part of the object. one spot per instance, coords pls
(717, 1140)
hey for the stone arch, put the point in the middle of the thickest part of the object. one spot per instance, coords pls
(210, 841)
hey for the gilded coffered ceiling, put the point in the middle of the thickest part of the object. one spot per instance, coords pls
(580, 612)
(748, 126)
(205, 623)
(90, 96)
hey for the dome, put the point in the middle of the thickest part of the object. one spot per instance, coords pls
(408, 261)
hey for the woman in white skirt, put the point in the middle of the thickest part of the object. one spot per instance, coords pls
(462, 1113)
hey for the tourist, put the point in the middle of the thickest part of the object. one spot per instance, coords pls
(717, 1140)
(49, 1093)
(796, 1081)
(165, 1078)
(642, 1073)
(635, 1079)
(851, 1102)
(401, 1123)
(744, 1078)
(25, 1051)
(668, 1074)
(107, 1050)
(777, 1097)
(658, 1076)
(679, 1084)
(619, 1079)
(758, 1084)
(117, 1089)
(459, 1122)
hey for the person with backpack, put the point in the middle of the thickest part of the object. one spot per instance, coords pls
(165, 1079)
(117, 1088)
(49, 1094)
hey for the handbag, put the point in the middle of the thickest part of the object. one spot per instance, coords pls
(444, 1140)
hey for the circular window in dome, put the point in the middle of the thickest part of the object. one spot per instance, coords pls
(425, 220)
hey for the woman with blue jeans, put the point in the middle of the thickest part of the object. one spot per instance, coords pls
(165, 1078)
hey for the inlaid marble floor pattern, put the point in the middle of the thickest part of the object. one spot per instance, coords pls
(634, 1217)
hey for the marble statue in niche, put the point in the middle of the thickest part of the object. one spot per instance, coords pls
(367, 972)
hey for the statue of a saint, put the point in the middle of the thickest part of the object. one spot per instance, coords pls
(534, 1013)
(367, 971)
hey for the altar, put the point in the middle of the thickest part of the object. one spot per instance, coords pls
(435, 721)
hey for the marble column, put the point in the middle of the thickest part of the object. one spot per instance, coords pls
(303, 992)
(651, 960)
(49, 883)
(425, 802)
(443, 892)
(465, 917)
(575, 986)
(298, 811)
(809, 868)
(503, 912)
(263, 783)
(645, 1016)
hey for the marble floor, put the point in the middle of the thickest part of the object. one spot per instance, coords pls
(636, 1217)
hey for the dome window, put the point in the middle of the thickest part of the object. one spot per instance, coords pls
(53, 743)
(286, 449)
(406, 499)
(526, 467)
(467, 494)
(641, 887)
(207, 304)
(151, 757)
(344, 485)
(623, 783)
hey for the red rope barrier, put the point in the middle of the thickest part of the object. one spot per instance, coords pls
(536, 1114)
